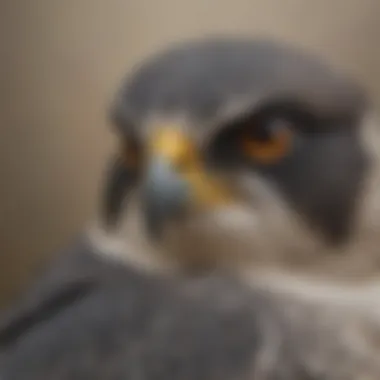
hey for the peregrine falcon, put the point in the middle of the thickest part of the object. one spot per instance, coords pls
(238, 234)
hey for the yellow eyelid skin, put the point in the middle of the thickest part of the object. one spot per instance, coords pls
(180, 151)
(269, 152)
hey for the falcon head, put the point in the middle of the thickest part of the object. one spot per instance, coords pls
(238, 152)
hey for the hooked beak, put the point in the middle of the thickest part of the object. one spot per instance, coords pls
(174, 180)
(165, 196)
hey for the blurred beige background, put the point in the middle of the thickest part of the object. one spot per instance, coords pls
(61, 61)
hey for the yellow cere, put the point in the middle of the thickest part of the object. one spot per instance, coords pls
(175, 146)
(178, 148)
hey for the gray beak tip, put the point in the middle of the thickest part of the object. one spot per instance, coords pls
(165, 196)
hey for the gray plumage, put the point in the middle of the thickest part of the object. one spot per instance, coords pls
(119, 304)
(100, 320)
(200, 78)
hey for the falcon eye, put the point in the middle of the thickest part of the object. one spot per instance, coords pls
(267, 142)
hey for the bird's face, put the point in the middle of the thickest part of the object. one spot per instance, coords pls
(270, 182)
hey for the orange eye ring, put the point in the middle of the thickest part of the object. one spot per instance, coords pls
(269, 152)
